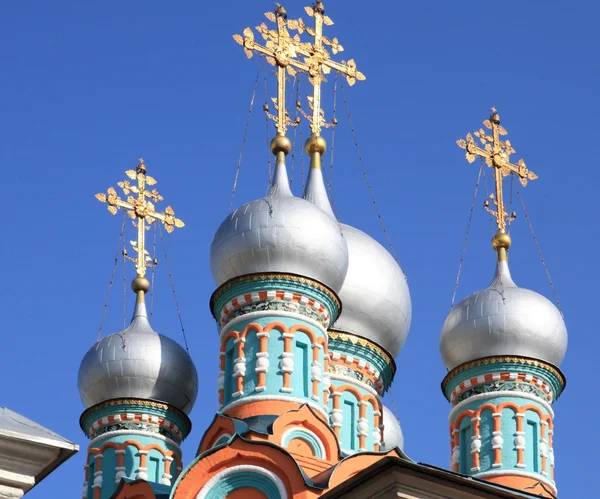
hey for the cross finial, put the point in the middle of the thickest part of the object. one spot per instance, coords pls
(496, 154)
(142, 210)
(279, 50)
(318, 62)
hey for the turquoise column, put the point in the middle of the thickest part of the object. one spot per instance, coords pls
(360, 372)
(501, 423)
(273, 330)
(132, 439)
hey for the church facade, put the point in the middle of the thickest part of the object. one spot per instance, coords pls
(311, 314)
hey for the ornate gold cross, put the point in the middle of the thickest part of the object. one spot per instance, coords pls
(318, 61)
(279, 50)
(140, 209)
(497, 155)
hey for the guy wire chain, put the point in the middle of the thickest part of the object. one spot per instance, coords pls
(464, 250)
(487, 197)
(162, 238)
(124, 287)
(267, 129)
(537, 245)
(153, 271)
(239, 167)
(112, 277)
(333, 121)
(301, 145)
(364, 171)
(295, 86)
(394, 407)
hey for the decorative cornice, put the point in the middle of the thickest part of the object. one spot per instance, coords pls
(103, 415)
(524, 361)
(354, 339)
(249, 278)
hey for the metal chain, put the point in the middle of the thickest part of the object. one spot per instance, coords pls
(112, 277)
(239, 167)
(124, 251)
(173, 288)
(153, 271)
(366, 177)
(333, 121)
(267, 130)
(487, 197)
(296, 89)
(301, 145)
(537, 245)
(464, 250)
(296, 115)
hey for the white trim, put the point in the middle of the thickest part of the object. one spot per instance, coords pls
(269, 313)
(116, 433)
(491, 395)
(241, 469)
(341, 377)
(258, 398)
(312, 434)
(526, 474)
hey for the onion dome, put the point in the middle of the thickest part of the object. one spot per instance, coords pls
(392, 431)
(503, 320)
(138, 363)
(280, 233)
(375, 296)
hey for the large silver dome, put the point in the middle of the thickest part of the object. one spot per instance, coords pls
(138, 363)
(280, 233)
(503, 320)
(375, 297)
(392, 431)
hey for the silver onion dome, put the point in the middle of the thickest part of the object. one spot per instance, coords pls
(138, 363)
(392, 431)
(503, 320)
(375, 297)
(280, 233)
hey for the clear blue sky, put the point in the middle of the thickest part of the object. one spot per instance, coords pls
(88, 87)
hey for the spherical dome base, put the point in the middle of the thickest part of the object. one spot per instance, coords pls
(375, 297)
(503, 320)
(280, 233)
(392, 431)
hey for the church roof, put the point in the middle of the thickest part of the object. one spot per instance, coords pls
(39, 446)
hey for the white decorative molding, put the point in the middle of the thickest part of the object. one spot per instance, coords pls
(337, 418)
(262, 362)
(239, 367)
(308, 432)
(287, 362)
(243, 468)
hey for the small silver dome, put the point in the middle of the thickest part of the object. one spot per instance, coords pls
(280, 233)
(503, 320)
(138, 363)
(392, 431)
(375, 297)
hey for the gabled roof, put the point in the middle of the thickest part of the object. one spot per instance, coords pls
(429, 474)
(40, 451)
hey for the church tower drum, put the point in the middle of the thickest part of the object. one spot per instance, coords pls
(137, 386)
(502, 347)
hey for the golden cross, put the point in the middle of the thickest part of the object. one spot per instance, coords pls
(497, 155)
(279, 50)
(318, 61)
(140, 209)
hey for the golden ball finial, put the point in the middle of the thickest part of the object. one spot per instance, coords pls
(495, 117)
(501, 240)
(281, 143)
(140, 284)
(315, 143)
